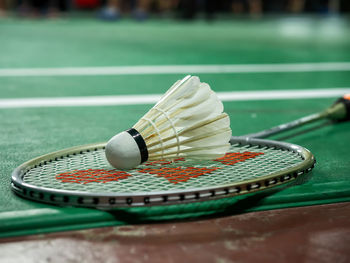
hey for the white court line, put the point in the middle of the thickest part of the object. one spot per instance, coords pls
(176, 69)
(151, 99)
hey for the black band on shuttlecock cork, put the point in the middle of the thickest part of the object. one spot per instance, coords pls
(140, 143)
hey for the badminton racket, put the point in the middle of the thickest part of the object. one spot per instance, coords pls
(81, 176)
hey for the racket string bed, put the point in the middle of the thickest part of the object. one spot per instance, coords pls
(95, 162)
(85, 178)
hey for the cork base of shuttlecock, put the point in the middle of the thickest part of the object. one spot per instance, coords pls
(123, 152)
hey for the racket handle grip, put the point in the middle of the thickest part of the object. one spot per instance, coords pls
(345, 102)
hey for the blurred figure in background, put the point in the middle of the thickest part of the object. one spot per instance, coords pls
(112, 10)
(296, 6)
(140, 10)
(42, 8)
(189, 9)
(4, 6)
(166, 7)
(253, 7)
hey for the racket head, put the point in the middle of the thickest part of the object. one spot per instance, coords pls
(81, 176)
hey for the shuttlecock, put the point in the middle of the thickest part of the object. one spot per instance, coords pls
(188, 121)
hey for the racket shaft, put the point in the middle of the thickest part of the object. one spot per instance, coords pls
(337, 112)
(287, 126)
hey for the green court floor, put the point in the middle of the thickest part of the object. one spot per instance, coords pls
(27, 132)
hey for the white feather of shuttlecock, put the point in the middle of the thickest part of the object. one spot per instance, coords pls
(188, 121)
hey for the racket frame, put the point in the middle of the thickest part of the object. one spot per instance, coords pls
(113, 200)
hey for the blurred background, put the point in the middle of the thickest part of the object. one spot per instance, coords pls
(113, 10)
(74, 72)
